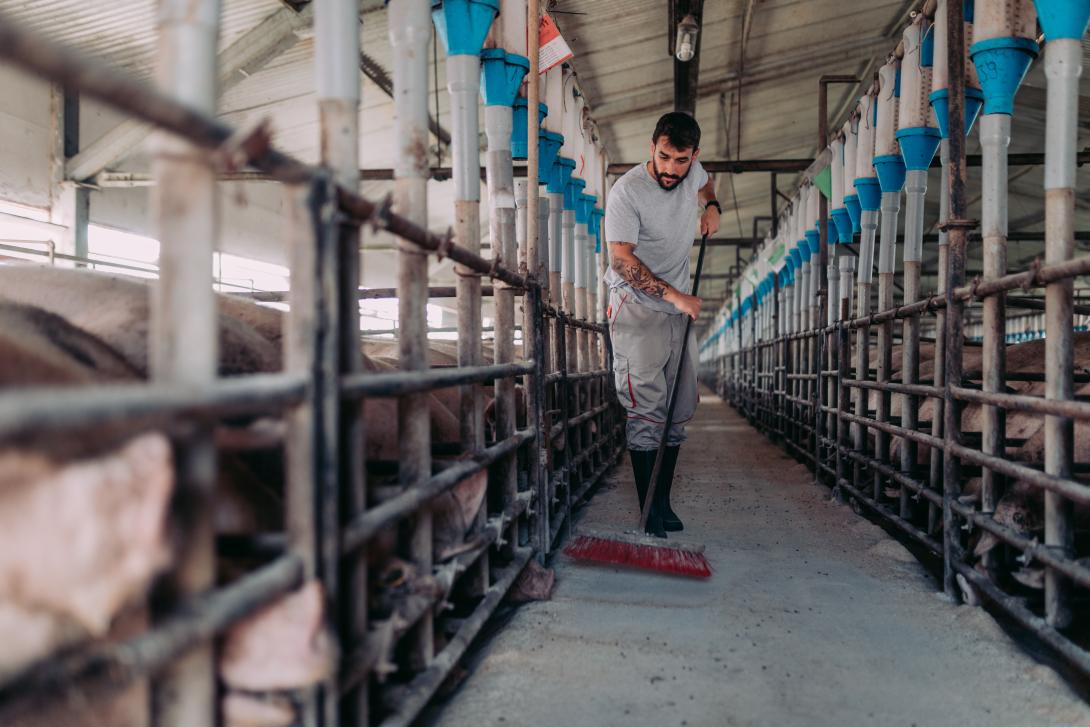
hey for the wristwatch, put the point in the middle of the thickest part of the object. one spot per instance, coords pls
(713, 203)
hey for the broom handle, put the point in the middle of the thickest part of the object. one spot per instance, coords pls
(654, 483)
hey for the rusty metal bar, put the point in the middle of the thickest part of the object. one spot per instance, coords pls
(368, 524)
(957, 229)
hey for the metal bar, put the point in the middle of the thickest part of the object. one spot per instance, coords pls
(1032, 549)
(957, 227)
(400, 383)
(909, 389)
(112, 666)
(903, 525)
(1020, 402)
(1063, 66)
(368, 524)
(337, 56)
(419, 692)
(183, 339)
(65, 408)
(410, 30)
(1014, 608)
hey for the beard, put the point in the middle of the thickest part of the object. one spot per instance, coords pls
(659, 177)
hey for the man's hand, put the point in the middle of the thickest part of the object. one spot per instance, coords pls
(687, 304)
(709, 221)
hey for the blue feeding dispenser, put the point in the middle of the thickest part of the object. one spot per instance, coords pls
(891, 172)
(561, 175)
(802, 249)
(519, 147)
(583, 205)
(940, 103)
(572, 192)
(813, 241)
(855, 210)
(599, 215)
(501, 76)
(869, 193)
(463, 24)
(1001, 64)
(832, 229)
(1063, 18)
(918, 146)
(548, 146)
(840, 226)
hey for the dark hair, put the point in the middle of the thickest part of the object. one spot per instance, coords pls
(680, 129)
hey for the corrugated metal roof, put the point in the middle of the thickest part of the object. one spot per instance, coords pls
(123, 31)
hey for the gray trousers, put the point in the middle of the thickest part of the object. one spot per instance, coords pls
(646, 352)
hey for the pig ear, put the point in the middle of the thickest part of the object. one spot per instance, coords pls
(128, 494)
(986, 543)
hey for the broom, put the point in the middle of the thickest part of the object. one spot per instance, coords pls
(634, 548)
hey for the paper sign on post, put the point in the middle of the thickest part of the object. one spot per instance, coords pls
(553, 50)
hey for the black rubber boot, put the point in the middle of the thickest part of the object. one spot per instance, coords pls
(642, 464)
(670, 521)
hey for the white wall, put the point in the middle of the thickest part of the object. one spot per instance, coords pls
(26, 174)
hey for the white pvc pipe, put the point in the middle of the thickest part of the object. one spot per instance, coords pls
(463, 82)
(567, 248)
(836, 169)
(915, 109)
(887, 250)
(556, 225)
(410, 31)
(885, 140)
(915, 191)
(554, 99)
(851, 141)
(513, 25)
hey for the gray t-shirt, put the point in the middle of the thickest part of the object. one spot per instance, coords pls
(662, 224)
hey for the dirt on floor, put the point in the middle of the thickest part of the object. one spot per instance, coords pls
(813, 616)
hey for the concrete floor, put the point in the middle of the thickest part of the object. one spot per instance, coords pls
(814, 616)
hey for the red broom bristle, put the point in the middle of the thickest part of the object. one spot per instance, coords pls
(649, 557)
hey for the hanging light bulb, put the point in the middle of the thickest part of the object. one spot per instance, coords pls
(687, 31)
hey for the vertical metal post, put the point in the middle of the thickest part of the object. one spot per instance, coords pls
(311, 348)
(533, 331)
(994, 140)
(184, 338)
(938, 379)
(410, 32)
(957, 229)
(1063, 66)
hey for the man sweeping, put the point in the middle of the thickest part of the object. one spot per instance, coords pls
(650, 228)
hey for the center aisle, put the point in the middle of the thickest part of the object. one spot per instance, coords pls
(813, 616)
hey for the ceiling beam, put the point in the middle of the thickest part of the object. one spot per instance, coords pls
(788, 64)
(252, 51)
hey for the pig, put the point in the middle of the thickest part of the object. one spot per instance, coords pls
(84, 516)
(80, 297)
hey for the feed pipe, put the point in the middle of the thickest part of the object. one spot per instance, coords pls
(890, 169)
(1064, 24)
(554, 124)
(1003, 52)
(851, 197)
(568, 153)
(813, 240)
(837, 211)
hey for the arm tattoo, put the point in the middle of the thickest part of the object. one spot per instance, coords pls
(639, 276)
